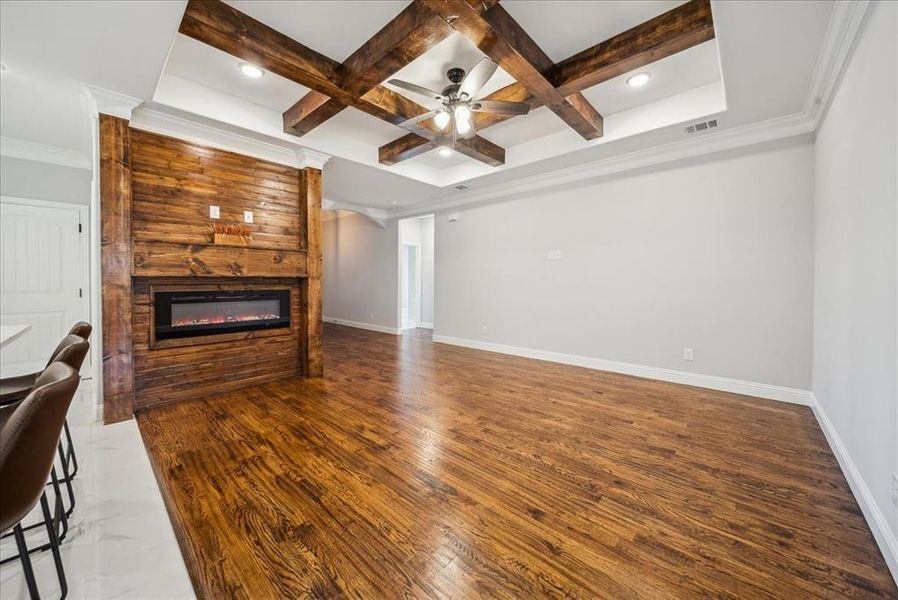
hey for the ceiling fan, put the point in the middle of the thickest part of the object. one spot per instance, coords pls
(458, 100)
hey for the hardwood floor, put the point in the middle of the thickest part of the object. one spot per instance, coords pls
(423, 470)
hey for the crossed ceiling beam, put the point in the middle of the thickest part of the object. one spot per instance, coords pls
(679, 29)
(419, 27)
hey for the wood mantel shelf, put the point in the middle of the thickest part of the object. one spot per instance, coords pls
(158, 259)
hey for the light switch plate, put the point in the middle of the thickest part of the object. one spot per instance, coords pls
(247, 216)
(214, 212)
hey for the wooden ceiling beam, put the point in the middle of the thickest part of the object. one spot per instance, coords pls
(679, 29)
(223, 27)
(409, 35)
(501, 38)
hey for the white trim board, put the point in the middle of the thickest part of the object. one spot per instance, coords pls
(882, 533)
(24, 150)
(724, 384)
(360, 325)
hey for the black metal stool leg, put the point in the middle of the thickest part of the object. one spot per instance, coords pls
(70, 453)
(51, 521)
(67, 479)
(26, 562)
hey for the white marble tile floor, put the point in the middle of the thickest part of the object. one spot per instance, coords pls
(120, 542)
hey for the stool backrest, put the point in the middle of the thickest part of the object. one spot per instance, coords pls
(82, 329)
(71, 350)
(29, 440)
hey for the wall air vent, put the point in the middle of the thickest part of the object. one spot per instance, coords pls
(702, 127)
(461, 187)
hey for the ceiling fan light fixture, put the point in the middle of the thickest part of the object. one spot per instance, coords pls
(638, 80)
(251, 71)
(463, 127)
(441, 119)
(462, 114)
(445, 151)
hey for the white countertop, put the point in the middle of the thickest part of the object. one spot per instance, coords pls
(9, 333)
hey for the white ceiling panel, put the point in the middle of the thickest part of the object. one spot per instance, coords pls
(333, 28)
(563, 28)
(208, 66)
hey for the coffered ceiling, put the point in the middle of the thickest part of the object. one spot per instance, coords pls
(758, 67)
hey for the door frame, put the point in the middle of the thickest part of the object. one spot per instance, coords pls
(87, 301)
(416, 281)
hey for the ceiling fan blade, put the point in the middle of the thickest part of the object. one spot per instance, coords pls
(419, 118)
(477, 77)
(417, 89)
(501, 107)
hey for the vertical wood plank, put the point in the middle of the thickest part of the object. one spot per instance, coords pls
(310, 194)
(115, 265)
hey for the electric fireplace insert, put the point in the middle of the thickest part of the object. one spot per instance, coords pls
(196, 313)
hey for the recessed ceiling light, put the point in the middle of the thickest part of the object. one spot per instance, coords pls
(250, 70)
(445, 151)
(638, 80)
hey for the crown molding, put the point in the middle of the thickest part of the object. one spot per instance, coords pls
(54, 155)
(747, 135)
(312, 158)
(378, 215)
(173, 122)
(838, 42)
(107, 102)
(841, 32)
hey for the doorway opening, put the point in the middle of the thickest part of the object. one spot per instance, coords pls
(416, 246)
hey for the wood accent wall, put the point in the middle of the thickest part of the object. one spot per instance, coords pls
(172, 374)
(115, 265)
(155, 193)
(310, 182)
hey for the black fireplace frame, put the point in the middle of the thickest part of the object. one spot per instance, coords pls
(162, 309)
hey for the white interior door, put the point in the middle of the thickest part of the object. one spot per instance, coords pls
(43, 279)
(403, 285)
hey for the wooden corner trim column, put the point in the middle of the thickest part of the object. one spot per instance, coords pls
(115, 268)
(310, 195)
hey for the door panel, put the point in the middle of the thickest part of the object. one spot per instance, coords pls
(41, 280)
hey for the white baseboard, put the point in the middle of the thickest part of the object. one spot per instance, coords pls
(425, 325)
(885, 537)
(360, 325)
(736, 386)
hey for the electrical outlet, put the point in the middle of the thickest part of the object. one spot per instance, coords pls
(214, 212)
(687, 353)
(895, 489)
(557, 254)
(247, 216)
(551, 255)
(483, 330)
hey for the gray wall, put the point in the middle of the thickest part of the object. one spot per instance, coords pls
(714, 254)
(43, 181)
(421, 231)
(855, 322)
(361, 270)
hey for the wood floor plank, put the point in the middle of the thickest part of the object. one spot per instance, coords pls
(422, 470)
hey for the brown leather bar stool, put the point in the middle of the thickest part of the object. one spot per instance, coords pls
(13, 389)
(27, 450)
(71, 350)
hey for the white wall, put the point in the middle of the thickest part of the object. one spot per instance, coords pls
(361, 270)
(43, 181)
(420, 231)
(427, 269)
(714, 254)
(855, 377)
